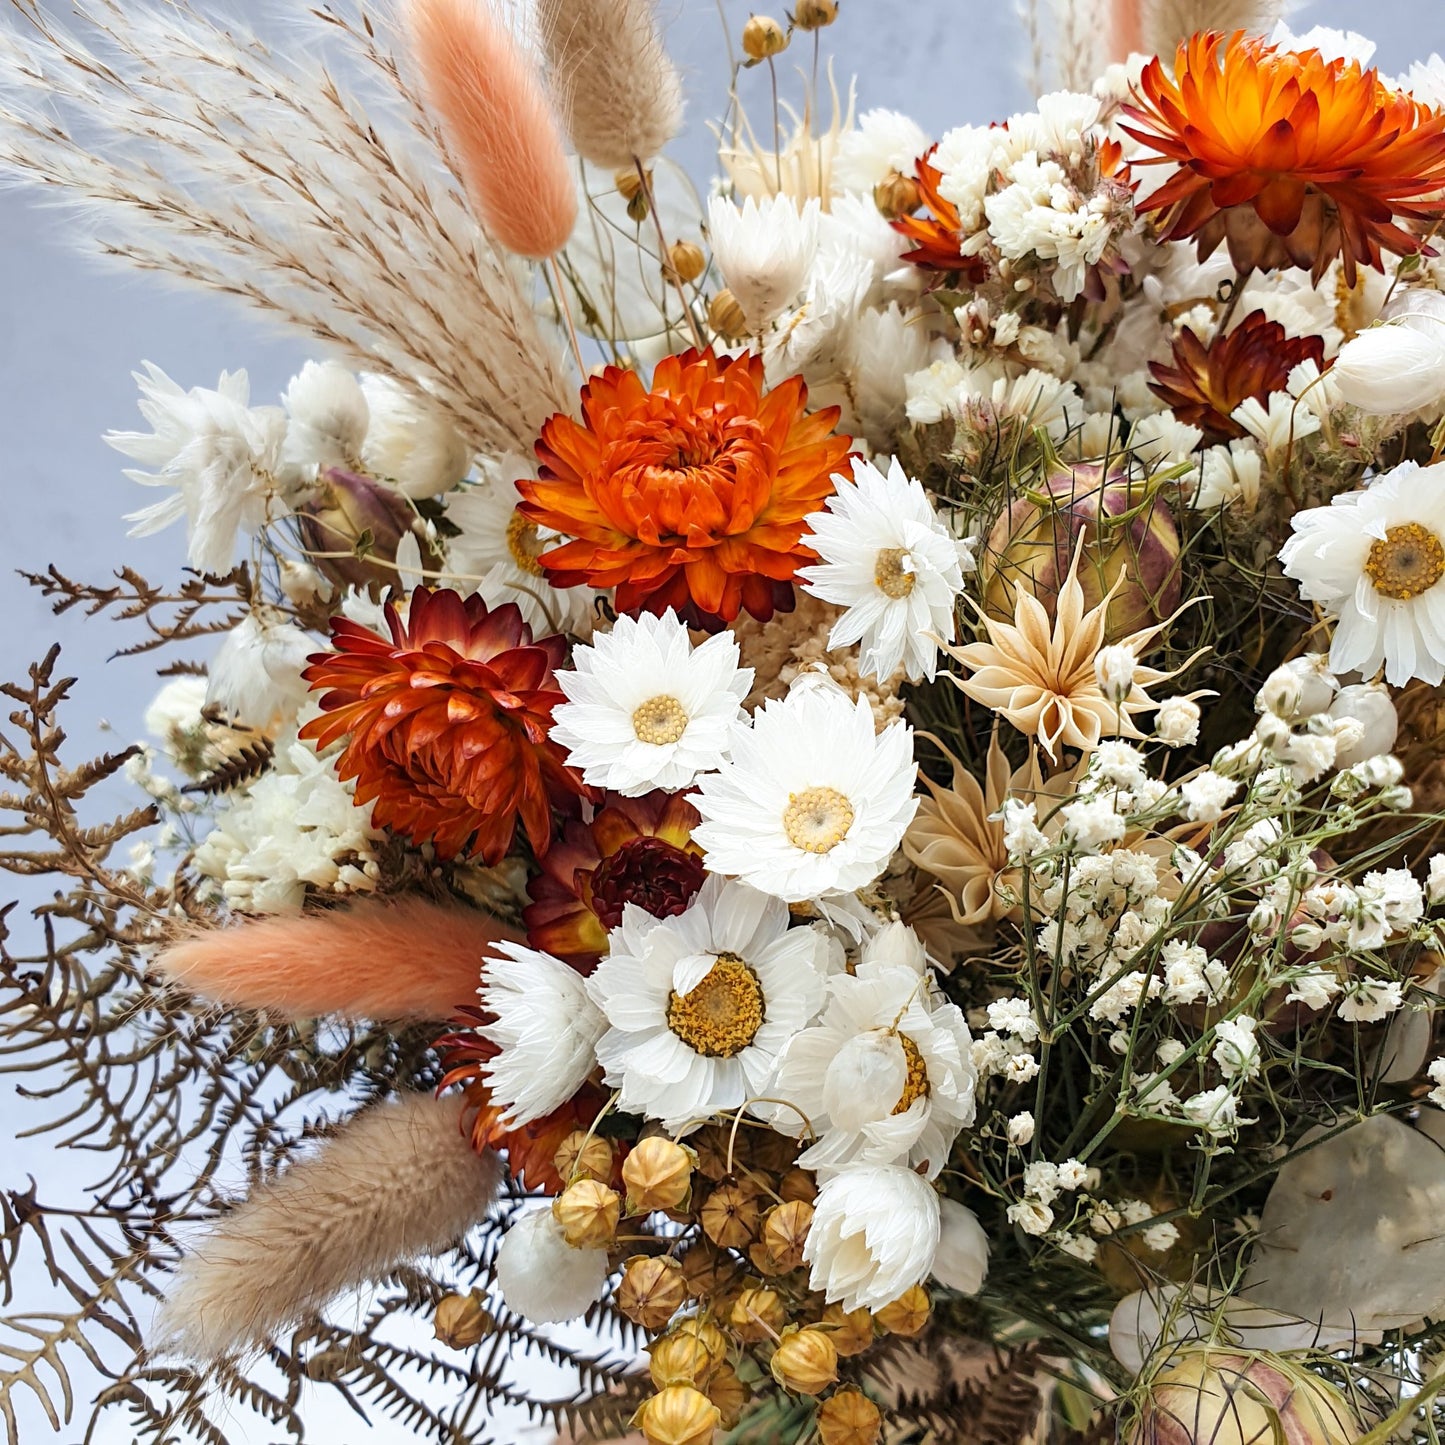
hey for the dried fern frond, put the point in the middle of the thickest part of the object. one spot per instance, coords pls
(619, 93)
(192, 151)
(397, 1182)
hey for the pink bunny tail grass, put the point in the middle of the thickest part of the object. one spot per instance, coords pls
(394, 1183)
(496, 119)
(374, 959)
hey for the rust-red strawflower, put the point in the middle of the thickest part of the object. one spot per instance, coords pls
(692, 494)
(1206, 383)
(446, 723)
(937, 236)
(1291, 159)
(635, 850)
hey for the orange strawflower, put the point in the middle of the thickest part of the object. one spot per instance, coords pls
(1291, 159)
(691, 495)
(937, 236)
(1206, 383)
(446, 723)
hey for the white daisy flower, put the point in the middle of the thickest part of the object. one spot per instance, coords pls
(646, 709)
(895, 567)
(811, 801)
(874, 1234)
(700, 1004)
(546, 1027)
(886, 1076)
(1375, 560)
(764, 250)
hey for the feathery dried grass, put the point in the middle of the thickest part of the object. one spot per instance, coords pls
(395, 1182)
(1163, 24)
(409, 959)
(499, 123)
(193, 151)
(618, 91)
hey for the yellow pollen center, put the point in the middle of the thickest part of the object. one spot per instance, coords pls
(524, 544)
(817, 820)
(892, 579)
(722, 1014)
(1408, 562)
(659, 720)
(915, 1083)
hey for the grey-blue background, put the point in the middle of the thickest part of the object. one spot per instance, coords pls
(72, 332)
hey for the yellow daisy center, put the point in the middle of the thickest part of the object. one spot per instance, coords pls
(890, 575)
(915, 1083)
(524, 544)
(1410, 560)
(660, 720)
(817, 820)
(720, 1017)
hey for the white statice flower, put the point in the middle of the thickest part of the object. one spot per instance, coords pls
(545, 1026)
(1190, 974)
(764, 250)
(222, 456)
(1176, 722)
(1160, 1237)
(410, 441)
(1375, 561)
(329, 417)
(893, 565)
(541, 1277)
(961, 1260)
(1092, 823)
(1014, 1016)
(881, 142)
(885, 1076)
(699, 1005)
(1368, 1000)
(1206, 795)
(1124, 995)
(1236, 1048)
(1314, 988)
(811, 801)
(296, 825)
(1020, 1129)
(646, 709)
(1022, 836)
(874, 1234)
(255, 678)
(1079, 1246)
(495, 550)
(1436, 1074)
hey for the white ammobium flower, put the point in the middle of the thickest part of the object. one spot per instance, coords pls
(812, 801)
(546, 1027)
(646, 709)
(701, 1004)
(897, 569)
(874, 1234)
(542, 1277)
(255, 679)
(222, 455)
(410, 442)
(329, 417)
(764, 250)
(961, 1260)
(1375, 560)
(885, 1076)
(1397, 366)
(882, 141)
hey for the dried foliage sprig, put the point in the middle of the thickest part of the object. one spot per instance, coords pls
(195, 153)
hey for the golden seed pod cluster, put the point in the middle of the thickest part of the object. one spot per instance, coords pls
(763, 38)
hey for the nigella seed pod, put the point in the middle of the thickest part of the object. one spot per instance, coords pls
(805, 1361)
(785, 1232)
(1204, 1396)
(358, 521)
(588, 1213)
(758, 1314)
(658, 1175)
(907, 1315)
(678, 1415)
(1123, 529)
(582, 1155)
(852, 1330)
(763, 38)
(680, 1358)
(651, 1291)
(728, 1392)
(849, 1417)
(462, 1320)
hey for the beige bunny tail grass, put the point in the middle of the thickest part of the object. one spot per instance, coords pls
(394, 1183)
(617, 89)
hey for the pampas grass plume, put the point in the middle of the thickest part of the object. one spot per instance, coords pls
(372, 959)
(395, 1182)
(1165, 24)
(496, 119)
(619, 93)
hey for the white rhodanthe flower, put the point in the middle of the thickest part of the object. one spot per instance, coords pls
(646, 709)
(874, 1234)
(255, 679)
(542, 1277)
(961, 1260)
(1395, 367)
(1375, 560)
(222, 455)
(897, 569)
(885, 1076)
(409, 441)
(764, 250)
(811, 800)
(546, 1027)
(329, 417)
(881, 141)
(700, 1004)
